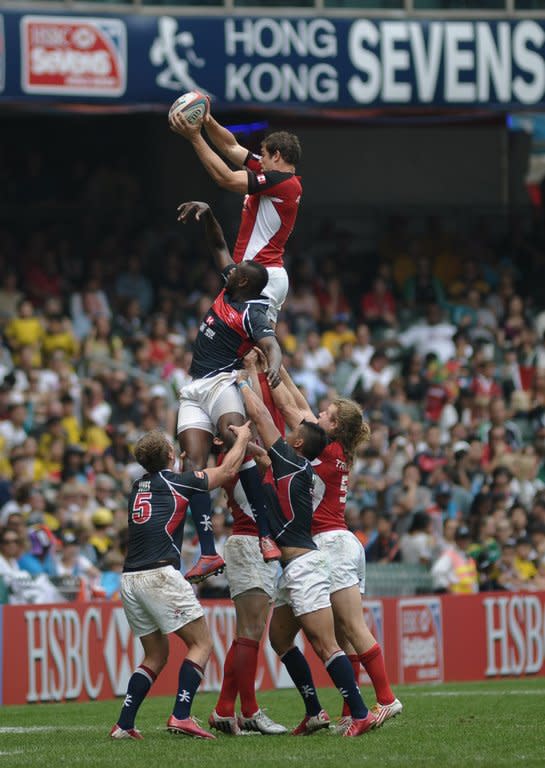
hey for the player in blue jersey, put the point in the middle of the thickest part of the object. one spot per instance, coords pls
(156, 598)
(235, 323)
(302, 599)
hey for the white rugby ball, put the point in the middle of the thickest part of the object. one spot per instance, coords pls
(192, 104)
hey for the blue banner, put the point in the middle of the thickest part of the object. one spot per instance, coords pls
(272, 62)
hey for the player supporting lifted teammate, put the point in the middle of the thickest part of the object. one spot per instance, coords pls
(272, 193)
(235, 322)
(302, 600)
(156, 598)
(252, 587)
(345, 428)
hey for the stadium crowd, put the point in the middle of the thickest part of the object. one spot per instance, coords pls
(440, 337)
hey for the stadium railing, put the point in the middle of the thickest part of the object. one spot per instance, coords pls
(396, 579)
(468, 8)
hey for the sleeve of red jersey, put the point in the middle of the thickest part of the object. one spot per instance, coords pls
(265, 182)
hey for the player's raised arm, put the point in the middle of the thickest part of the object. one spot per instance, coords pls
(236, 181)
(215, 239)
(218, 476)
(225, 142)
(271, 349)
(298, 399)
(257, 411)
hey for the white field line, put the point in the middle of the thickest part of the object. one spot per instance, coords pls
(495, 692)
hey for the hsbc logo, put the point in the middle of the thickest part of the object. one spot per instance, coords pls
(67, 658)
(73, 56)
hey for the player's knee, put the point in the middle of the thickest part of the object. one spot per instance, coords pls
(324, 647)
(279, 641)
(251, 629)
(157, 661)
(194, 463)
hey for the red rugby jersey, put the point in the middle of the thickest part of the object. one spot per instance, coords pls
(330, 489)
(268, 214)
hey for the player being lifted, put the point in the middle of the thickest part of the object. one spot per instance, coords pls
(271, 190)
(236, 321)
(302, 600)
(343, 423)
(156, 598)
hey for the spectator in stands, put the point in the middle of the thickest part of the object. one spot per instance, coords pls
(10, 296)
(416, 544)
(25, 330)
(363, 349)
(378, 306)
(407, 496)
(506, 573)
(455, 571)
(385, 547)
(524, 564)
(432, 335)
(40, 556)
(12, 429)
(309, 381)
(101, 541)
(85, 306)
(363, 379)
(423, 288)
(133, 284)
(317, 358)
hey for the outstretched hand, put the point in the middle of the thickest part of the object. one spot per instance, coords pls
(243, 432)
(273, 377)
(193, 208)
(179, 124)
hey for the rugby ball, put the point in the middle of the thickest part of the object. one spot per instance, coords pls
(192, 104)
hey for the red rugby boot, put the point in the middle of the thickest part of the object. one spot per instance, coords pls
(187, 727)
(269, 549)
(130, 733)
(206, 565)
(312, 723)
(359, 727)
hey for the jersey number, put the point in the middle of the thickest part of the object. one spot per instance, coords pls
(344, 489)
(141, 509)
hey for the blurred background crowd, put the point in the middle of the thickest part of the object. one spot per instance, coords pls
(437, 331)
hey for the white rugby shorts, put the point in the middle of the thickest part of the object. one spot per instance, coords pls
(203, 401)
(305, 583)
(158, 599)
(245, 568)
(347, 558)
(276, 291)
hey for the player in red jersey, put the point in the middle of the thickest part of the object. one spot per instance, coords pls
(271, 190)
(252, 587)
(344, 425)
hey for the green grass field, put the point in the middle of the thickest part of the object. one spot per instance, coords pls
(476, 724)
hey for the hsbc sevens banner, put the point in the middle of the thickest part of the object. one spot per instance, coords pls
(272, 62)
(86, 651)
